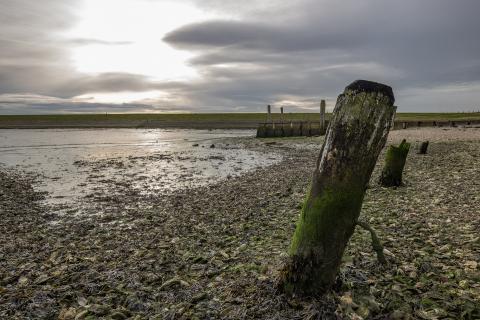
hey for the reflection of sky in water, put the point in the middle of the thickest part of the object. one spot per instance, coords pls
(78, 162)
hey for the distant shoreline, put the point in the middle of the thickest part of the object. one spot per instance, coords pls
(208, 120)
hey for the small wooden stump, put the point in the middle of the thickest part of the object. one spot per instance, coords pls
(394, 163)
(423, 148)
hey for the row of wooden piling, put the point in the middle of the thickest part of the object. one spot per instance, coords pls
(291, 129)
(283, 128)
(433, 123)
(312, 128)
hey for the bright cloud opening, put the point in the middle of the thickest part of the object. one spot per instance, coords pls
(129, 39)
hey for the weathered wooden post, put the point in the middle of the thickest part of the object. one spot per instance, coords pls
(261, 131)
(356, 134)
(322, 116)
(281, 119)
(395, 159)
(423, 148)
(269, 119)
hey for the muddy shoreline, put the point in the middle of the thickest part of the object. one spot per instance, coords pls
(212, 252)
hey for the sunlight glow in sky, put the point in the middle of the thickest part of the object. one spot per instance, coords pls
(131, 41)
(119, 97)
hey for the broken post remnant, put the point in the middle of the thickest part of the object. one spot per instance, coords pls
(282, 121)
(423, 148)
(355, 136)
(322, 117)
(394, 163)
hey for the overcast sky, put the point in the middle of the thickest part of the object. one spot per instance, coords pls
(220, 55)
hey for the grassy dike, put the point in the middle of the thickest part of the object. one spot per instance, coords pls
(190, 120)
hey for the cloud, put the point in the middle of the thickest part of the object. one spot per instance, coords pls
(32, 58)
(37, 104)
(104, 82)
(35, 54)
(257, 35)
(317, 47)
(86, 41)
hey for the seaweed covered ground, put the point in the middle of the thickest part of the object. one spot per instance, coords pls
(213, 252)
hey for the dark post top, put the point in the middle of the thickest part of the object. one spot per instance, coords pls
(370, 86)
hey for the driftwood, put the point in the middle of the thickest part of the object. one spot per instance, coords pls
(355, 137)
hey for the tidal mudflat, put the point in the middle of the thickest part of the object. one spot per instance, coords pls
(71, 165)
(128, 247)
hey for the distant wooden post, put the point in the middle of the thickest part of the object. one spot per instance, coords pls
(269, 113)
(423, 148)
(281, 119)
(322, 116)
(356, 135)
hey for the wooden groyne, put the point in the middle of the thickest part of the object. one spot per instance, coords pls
(312, 128)
(284, 128)
(433, 123)
(291, 129)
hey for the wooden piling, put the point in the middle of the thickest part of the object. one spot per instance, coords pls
(322, 117)
(356, 136)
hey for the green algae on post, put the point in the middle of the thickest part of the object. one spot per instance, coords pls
(394, 163)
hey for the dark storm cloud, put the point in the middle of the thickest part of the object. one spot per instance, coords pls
(256, 36)
(318, 47)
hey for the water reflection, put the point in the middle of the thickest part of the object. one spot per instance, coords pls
(81, 163)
